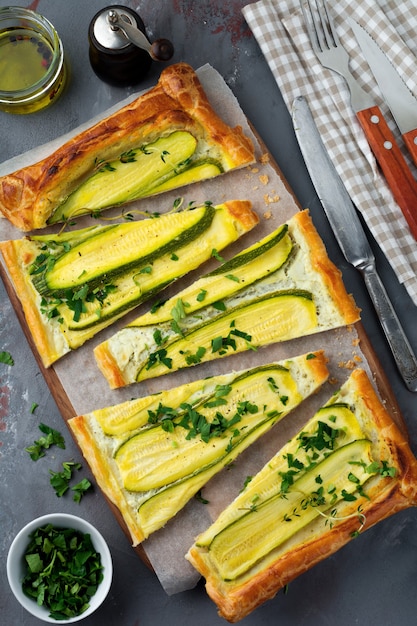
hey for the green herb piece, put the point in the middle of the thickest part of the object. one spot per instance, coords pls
(198, 496)
(34, 407)
(194, 359)
(160, 356)
(60, 480)
(201, 295)
(63, 570)
(52, 437)
(6, 357)
(80, 489)
(217, 256)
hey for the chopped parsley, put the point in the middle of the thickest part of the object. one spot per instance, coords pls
(52, 437)
(63, 570)
(6, 357)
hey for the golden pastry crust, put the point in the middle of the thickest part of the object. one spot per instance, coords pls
(387, 496)
(53, 339)
(330, 273)
(29, 196)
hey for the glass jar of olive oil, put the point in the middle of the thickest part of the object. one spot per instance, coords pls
(32, 66)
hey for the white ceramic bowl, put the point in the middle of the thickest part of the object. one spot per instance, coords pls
(16, 565)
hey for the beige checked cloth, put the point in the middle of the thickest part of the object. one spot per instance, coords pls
(279, 29)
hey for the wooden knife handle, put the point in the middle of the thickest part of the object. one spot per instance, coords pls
(393, 165)
(410, 140)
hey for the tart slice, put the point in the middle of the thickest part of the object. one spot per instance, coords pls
(151, 455)
(166, 138)
(74, 284)
(282, 287)
(348, 468)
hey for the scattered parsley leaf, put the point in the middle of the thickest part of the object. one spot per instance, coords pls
(60, 480)
(52, 437)
(80, 489)
(6, 357)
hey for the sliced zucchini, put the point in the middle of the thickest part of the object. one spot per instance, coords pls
(334, 423)
(243, 543)
(132, 176)
(88, 278)
(200, 437)
(242, 270)
(277, 316)
(113, 250)
(199, 171)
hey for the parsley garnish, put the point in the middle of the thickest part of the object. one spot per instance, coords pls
(52, 437)
(160, 356)
(201, 295)
(6, 357)
(63, 570)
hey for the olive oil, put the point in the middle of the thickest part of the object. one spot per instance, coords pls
(25, 57)
(33, 71)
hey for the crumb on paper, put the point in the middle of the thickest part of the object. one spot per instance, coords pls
(333, 381)
(264, 178)
(357, 358)
(255, 170)
(268, 215)
(349, 365)
(264, 158)
(271, 199)
(355, 342)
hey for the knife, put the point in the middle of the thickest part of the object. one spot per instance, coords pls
(350, 235)
(402, 103)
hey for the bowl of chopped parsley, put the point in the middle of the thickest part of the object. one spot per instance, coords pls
(59, 568)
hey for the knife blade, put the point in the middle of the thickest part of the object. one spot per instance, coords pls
(350, 235)
(402, 103)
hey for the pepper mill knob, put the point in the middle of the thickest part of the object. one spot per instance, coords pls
(120, 51)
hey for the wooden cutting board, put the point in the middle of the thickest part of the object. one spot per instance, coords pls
(78, 387)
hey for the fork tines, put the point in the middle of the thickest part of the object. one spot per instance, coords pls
(320, 25)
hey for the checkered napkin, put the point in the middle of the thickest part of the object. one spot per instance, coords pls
(278, 27)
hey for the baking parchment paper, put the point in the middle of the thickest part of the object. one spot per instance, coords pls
(87, 390)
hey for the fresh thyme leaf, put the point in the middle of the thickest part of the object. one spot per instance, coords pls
(232, 277)
(200, 498)
(217, 256)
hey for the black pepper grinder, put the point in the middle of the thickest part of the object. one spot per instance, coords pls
(120, 51)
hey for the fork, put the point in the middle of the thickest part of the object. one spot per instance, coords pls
(332, 55)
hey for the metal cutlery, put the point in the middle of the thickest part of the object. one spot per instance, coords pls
(331, 54)
(350, 235)
(402, 103)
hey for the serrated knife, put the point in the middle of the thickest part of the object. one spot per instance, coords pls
(402, 103)
(350, 235)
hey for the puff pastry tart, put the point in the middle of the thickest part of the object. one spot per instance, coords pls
(74, 284)
(348, 468)
(166, 138)
(282, 287)
(152, 454)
